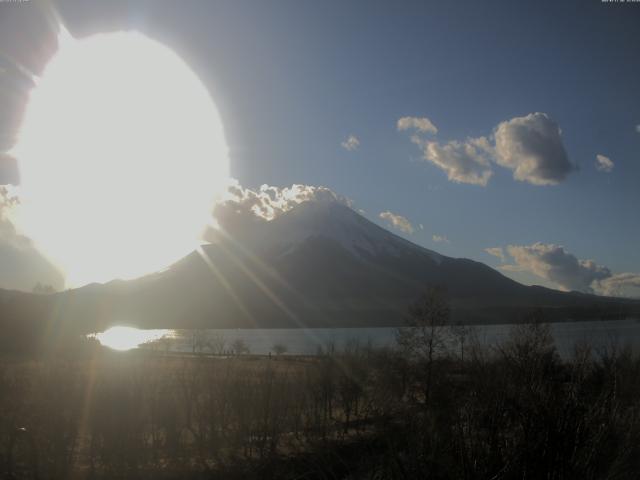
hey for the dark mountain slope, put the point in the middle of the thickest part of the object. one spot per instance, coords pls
(320, 264)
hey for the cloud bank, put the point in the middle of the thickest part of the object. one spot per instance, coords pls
(268, 202)
(530, 146)
(620, 285)
(555, 264)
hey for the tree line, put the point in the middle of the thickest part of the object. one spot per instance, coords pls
(437, 405)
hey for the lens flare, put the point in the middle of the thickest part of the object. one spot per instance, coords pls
(121, 155)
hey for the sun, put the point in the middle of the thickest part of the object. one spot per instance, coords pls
(121, 154)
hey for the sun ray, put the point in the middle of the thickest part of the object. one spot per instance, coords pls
(260, 284)
(272, 273)
(225, 283)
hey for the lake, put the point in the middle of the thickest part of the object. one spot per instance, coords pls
(308, 341)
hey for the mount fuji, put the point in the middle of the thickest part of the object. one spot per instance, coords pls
(320, 264)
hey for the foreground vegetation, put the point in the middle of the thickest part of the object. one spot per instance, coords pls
(437, 406)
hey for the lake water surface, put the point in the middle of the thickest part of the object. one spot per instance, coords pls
(598, 334)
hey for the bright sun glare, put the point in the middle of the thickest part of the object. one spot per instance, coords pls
(121, 154)
(127, 338)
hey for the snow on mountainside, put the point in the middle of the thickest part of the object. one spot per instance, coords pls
(355, 272)
(329, 250)
(333, 221)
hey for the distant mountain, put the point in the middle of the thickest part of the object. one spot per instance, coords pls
(320, 264)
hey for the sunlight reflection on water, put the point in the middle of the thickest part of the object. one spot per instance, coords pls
(302, 341)
(127, 338)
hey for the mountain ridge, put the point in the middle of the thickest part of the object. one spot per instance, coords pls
(320, 264)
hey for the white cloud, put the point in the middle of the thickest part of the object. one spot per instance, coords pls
(638, 128)
(440, 239)
(620, 285)
(555, 264)
(398, 221)
(464, 162)
(421, 124)
(604, 164)
(268, 202)
(532, 147)
(496, 252)
(351, 143)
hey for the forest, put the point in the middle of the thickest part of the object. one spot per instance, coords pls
(436, 405)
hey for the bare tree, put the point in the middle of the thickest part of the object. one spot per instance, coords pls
(218, 343)
(423, 337)
(199, 340)
(279, 349)
(530, 346)
(239, 347)
(460, 334)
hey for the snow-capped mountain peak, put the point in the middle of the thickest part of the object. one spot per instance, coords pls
(338, 223)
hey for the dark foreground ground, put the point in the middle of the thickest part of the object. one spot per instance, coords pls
(513, 411)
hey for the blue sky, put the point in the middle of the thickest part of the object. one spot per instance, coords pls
(294, 79)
